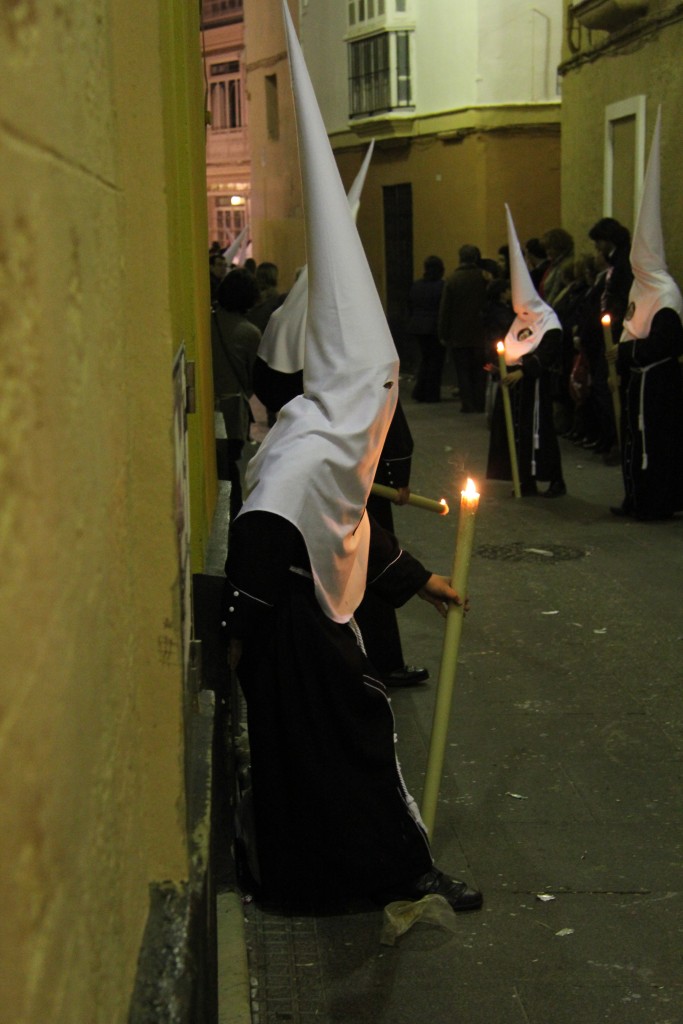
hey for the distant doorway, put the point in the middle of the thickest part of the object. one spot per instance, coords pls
(398, 262)
(624, 159)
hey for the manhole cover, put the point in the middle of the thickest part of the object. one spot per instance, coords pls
(520, 552)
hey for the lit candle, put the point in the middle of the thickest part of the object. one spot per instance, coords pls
(606, 322)
(507, 407)
(469, 502)
(431, 504)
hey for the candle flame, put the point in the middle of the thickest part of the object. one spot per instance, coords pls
(606, 320)
(500, 347)
(470, 493)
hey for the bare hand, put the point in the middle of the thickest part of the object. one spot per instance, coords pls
(512, 378)
(439, 592)
(402, 495)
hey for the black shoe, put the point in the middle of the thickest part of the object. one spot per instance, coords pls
(457, 893)
(409, 675)
(619, 511)
(557, 489)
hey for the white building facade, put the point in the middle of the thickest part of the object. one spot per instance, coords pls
(462, 100)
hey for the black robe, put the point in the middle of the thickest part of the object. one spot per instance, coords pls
(652, 458)
(376, 617)
(544, 462)
(331, 813)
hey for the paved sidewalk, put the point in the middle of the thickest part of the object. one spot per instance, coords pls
(562, 776)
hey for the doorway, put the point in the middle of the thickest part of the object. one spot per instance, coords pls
(398, 263)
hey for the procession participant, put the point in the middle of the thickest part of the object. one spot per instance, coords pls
(278, 377)
(332, 814)
(278, 371)
(533, 345)
(648, 367)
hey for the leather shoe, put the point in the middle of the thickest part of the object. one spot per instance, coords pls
(557, 489)
(409, 675)
(457, 893)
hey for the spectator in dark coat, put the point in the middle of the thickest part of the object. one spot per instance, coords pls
(559, 246)
(234, 343)
(423, 302)
(270, 298)
(536, 260)
(461, 329)
(613, 240)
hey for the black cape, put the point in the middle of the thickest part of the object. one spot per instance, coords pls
(331, 812)
(652, 451)
(535, 463)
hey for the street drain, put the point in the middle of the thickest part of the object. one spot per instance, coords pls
(521, 552)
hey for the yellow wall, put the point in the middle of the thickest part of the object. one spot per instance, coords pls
(649, 66)
(463, 165)
(459, 189)
(98, 137)
(277, 226)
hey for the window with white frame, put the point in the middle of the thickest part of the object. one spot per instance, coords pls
(360, 11)
(229, 219)
(379, 73)
(225, 96)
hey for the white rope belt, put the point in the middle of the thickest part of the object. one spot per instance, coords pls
(642, 372)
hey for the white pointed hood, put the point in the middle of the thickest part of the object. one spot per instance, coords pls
(283, 342)
(534, 316)
(235, 247)
(355, 192)
(653, 287)
(317, 463)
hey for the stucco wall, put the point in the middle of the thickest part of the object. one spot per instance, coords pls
(459, 189)
(91, 752)
(650, 67)
(462, 161)
(482, 51)
(277, 226)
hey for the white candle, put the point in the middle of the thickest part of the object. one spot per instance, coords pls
(469, 503)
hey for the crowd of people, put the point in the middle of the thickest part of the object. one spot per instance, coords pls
(566, 372)
(461, 317)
